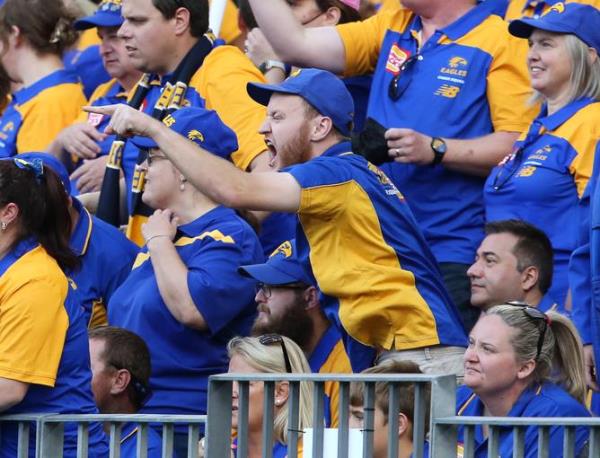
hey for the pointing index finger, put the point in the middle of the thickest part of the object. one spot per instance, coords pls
(105, 110)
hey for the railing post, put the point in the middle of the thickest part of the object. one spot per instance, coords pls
(51, 439)
(218, 429)
(443, 404)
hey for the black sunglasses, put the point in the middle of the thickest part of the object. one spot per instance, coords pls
(142, 391)
(536, 315)
(402, 80)
(269, 339)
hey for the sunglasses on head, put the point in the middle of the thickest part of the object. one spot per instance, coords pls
(536, 315)
(269, 339)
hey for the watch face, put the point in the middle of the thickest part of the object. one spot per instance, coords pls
(438, 145)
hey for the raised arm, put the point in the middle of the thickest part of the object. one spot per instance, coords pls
(319, 47)
(215, 177)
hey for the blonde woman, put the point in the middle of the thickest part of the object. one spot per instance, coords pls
(543, 179)
(269, 353)
(522, 362)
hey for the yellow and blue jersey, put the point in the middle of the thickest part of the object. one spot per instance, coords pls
(43, 342)
(543, 181)
(360, 241)
(129, 442)
(106, 258)
(535, 8)
(547, 400)
(468, 80)
(39, 112)
(212, 247)
(329, 357)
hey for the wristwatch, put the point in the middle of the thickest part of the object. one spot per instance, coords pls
(270, 63)
(439, 148)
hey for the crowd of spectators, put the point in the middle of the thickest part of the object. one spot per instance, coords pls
(325, 186)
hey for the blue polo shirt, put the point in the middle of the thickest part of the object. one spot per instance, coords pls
(129, 442)
(106, 258)
(361, 243)
(212, 247)
(468, 80)
(44, 343)
(329, 357)
(543, 180)
(39, 112)
(547, 400)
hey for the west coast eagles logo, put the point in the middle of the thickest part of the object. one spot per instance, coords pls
(557, 8)
(457, 61)
(195, 135)
(285, 250)
(110, 5)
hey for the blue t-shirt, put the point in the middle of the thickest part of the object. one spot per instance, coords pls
(360, 241)
(542, 181)
(129, 442)
(212, 247)
(547, 400)
(52, 335)
(106, 258)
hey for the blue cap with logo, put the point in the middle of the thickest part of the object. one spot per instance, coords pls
(282, 267)
(201, 126)
(108, 14)
(577, 19)
(321, 89)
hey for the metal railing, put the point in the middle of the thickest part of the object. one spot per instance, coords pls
(496, 425)
(49, 431)
(218, 432)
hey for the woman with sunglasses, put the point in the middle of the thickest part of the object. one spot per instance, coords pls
(544, 178)
(184, 295)
(522, 362)
(44, 357)
(33, 36)
(267, 354)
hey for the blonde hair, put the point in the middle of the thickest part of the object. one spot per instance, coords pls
(561, 356)
(585, 71)
(269, 359)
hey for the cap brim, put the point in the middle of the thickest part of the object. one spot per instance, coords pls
(262, 93)
(143, 142)
(265, 273)
(523, 28)
(98, 20)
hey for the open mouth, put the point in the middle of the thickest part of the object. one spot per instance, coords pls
(272, 152)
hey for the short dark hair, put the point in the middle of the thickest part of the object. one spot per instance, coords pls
(124, 349)
(533, 248)
(198, 13)
(382, 396)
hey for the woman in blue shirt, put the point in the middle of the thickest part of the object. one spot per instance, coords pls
(44, 357)
(522, 362)
(544, 177)
(184, 295)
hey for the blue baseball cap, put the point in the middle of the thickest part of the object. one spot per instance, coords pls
(281, 268)
(202, 126)
(108, 14)
(49, 161)
(320, 88)
(577, 19)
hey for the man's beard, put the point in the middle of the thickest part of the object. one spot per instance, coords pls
(294, 323)
(297, 150)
